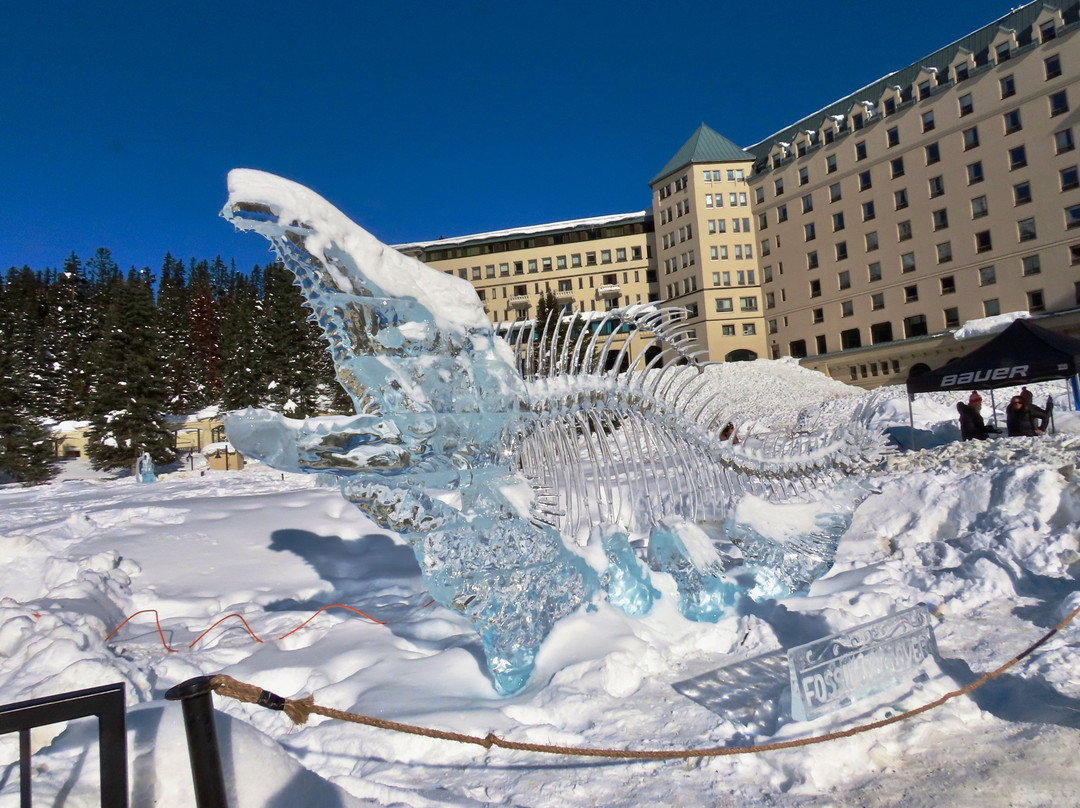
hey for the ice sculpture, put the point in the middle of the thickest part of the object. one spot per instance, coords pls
(144, 469)
(519, 483)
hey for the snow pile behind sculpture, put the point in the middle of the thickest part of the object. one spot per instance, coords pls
(519, 492)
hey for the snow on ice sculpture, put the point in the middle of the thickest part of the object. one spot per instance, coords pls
(519, 472)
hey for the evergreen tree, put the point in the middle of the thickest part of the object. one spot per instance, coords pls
(285, 345)
(71, 333)
(174, 317)
(205, 339)
(128, 397)
(553, 332)
(26, 452)
(240, 365)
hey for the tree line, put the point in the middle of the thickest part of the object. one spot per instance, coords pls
(125, 351)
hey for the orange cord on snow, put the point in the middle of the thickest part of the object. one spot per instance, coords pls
(323, 609)
(226, 617)
(254, 636)
(157, 619)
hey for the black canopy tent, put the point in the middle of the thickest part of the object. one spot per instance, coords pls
(1023, 353)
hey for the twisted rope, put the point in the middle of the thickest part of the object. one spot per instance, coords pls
(299, 710)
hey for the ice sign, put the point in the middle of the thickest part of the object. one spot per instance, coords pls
(840, 669)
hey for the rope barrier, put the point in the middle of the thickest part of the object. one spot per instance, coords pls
(299, 710)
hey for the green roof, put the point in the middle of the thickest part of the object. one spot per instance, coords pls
(704, 146)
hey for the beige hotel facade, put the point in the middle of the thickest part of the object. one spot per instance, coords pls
(857, 239)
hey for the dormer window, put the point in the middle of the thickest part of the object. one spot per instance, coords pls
(961, 65)
(1003, 45)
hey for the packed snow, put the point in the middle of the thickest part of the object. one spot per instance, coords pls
(985, 534)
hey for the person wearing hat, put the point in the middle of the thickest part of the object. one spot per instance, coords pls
(972, 426)
(1024, 418)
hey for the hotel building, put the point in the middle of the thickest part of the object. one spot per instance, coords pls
(857, 239)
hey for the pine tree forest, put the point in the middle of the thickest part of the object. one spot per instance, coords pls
(125, 352)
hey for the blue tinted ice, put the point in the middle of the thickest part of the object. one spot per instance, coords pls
(527, 478)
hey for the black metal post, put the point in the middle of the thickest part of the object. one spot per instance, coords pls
(202, 740)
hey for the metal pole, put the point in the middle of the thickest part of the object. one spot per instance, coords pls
(202, 739)
(911, 420)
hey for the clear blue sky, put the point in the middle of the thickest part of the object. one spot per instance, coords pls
(120, 120)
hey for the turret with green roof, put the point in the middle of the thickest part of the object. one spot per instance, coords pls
(706, 145)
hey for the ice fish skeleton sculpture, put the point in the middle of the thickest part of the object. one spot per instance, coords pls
(520, 492)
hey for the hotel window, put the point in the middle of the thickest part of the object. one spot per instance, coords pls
(708, 200)
(847, 309)
(1012, 122)
(714, 253)
(940, 219)
(983, 242)
(971, 138)
(1008, 86)
(896, 165)
(871, 241)
(961, 72)
(841, 250)
(723, 252)
(877, 301)
(620, 254)
(844, 279)
(1063, 141)
(928, 121)
(907, 262)
(1030, 265)
(812, 260)
(874, 271)
(778, 186)
(1017, 158)
(738, 253)
(817, 316)
(830, 164)
(605, 255)
(948, 285)
(860, 150)
(519, 268)
(903, 230)
(748, 329)
(937, 186)
(635, 253)
(1053, 66)
(721, 225)
(1074, 254)
(838, 221)
(489, 271)
(781, 213)
(991, 308)
(546, 264)
(933, 154)
(726, 277)
(1072, 217)
(924, 90)
(1069, 178)
(900, 200)
(1002, 52)
(911, 294)
(476, 273)
(807, 203)
(809, 232)
(975, 172)
(504, 269)
(952, 318)
(890, 106)
(1059, 103)
(1022, 193)
(1047, 31)
(987, 276)
(864, 180)
(915, 326)
(944, 252)
(727, 330)
(724, 304)
(748, 303)
(815, 288)
(532, 265)
(966, 105)
(742, 198)
(868, 211)
(979, 207)
(1035, 301)
(733, 199)
(834, 192)
(892, 137)
(804, 175)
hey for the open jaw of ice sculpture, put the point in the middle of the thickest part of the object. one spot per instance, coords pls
(519, 491)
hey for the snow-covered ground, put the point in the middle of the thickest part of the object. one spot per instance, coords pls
(986, 534)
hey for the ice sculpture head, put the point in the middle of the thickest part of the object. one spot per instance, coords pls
(411, 345)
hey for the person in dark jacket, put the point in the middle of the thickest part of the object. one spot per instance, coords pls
(972, 426)
(1023, 418)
